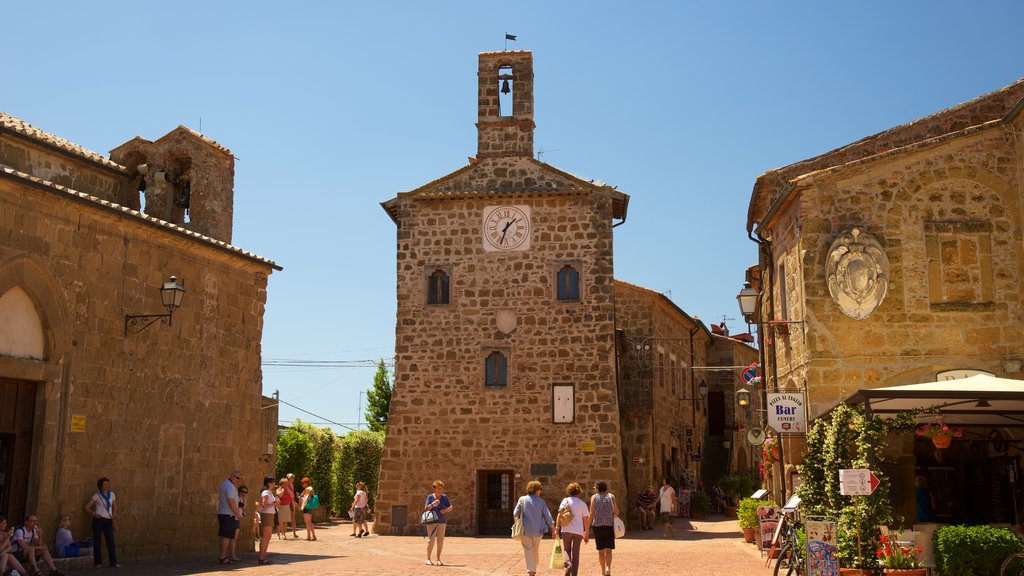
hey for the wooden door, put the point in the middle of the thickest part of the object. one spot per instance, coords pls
(17, 411)
(716, 413)
(494, 502)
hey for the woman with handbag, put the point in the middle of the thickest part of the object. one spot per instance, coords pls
(536, 519)
(573, 521)
(603, 511)
(305, 499)
(438, 505)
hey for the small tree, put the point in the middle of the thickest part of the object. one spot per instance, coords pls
(378, 400)
(305, 450)
(359, 461)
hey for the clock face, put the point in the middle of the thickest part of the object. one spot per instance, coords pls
(506, 228)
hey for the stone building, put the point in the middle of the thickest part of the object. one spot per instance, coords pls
(163, 406)
(663, 353)
(727, 448)
(505, 336)
(897, 259)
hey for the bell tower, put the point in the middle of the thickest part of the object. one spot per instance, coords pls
(505, 107)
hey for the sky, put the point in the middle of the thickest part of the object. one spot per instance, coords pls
(334, 107)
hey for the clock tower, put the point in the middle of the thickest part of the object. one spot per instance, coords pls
(505, 334)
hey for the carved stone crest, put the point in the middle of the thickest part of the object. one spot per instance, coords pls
(857, 270)
(506, 321)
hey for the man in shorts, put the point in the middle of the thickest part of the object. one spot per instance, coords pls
(28, 545)
(227, 514)
(645, 502)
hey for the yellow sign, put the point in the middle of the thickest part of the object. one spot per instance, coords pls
(588, 446)
(77, 423)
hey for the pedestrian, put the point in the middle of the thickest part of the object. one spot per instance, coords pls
(7, 559)
(924, 500)
(102, 506)
(438, 502)
(285, 497)
(293, 506)
(360, 506)
(243, 493)
(576, 530)
(268, 506)
(603, 511)
(66, 545)
(537, 521)
(645, 502)
(227, 513)
(667, 501)
(307, 512)
(29, 544)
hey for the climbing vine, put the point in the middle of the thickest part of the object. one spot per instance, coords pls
(842, 440)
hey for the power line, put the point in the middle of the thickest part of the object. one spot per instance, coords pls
(324, 418)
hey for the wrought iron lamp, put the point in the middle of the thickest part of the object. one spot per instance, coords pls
(171, 294)
(743, 397)
(747, 299)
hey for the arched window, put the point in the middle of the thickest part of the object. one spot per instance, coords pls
(437, 287)
(568, 283)
(496, 370)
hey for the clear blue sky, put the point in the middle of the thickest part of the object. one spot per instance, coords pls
(333, 107)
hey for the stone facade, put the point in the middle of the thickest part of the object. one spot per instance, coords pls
(486, 440)
(165, 412)
(942, 197)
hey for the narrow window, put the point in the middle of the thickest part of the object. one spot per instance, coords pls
(496, 370)
(568, 283)
(783, 304)
(505, 91)
(437, 287)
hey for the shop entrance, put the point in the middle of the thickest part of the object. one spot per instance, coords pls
(969, 483)
(17, 409)
(494, 502)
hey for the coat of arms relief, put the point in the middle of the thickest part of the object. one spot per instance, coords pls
(857, 271)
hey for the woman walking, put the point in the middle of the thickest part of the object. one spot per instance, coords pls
(360, 506)
(438, 502)
(667, 498)
(575, 531)
(603, 510)
(307, 513)
(268, 507)
(536, 522)
(101, 507)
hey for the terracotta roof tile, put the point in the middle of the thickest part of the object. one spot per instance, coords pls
(135, 214)
(30, 131)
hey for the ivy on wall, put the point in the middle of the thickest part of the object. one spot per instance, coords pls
(845, 439)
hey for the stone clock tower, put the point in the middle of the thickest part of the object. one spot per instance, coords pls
(505, 339)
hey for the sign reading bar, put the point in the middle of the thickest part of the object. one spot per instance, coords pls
(857, 482)
(786, 413)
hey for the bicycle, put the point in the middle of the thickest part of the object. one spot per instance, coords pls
(790, 561)
(1013, 565)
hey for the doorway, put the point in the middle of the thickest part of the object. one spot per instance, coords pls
(716, 413)
(494, 502)
(17, 411)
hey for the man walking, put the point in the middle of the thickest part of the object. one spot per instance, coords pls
(227, 514)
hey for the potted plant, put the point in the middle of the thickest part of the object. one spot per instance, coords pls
(700, 504)
(898, 559)
(940, 434)
(746, 516)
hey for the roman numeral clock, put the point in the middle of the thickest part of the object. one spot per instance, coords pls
(506, 228)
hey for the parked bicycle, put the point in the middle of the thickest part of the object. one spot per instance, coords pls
(790, 561)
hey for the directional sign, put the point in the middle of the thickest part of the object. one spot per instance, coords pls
(857, 482)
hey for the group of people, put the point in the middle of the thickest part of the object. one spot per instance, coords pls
(26, 545)
(573, 523)
(667, 502)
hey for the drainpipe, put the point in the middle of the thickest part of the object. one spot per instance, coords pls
(765, 252)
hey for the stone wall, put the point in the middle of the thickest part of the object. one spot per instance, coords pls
(165, 413)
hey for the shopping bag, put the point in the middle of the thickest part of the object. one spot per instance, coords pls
(557, 560)
(429, 517)
(620, 527)
(517, 529)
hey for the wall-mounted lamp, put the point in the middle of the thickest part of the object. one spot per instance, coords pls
(747, 299)
(702, 389)
(171, 294)
(743, 397)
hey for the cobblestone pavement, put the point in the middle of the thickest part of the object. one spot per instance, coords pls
(710, 547)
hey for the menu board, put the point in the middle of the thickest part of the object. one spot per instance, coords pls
(768, 522)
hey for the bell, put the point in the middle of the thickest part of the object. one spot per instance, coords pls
(504, 87)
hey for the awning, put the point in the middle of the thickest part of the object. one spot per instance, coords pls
(980, 401)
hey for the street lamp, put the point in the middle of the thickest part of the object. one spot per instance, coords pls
(743, 397)
(747, 299)
(702, 389)
(171, 294)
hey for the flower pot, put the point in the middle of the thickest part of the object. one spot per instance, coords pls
(748, 535)
(854, 572)
(906, 571)
(730, 511)
(942, 440)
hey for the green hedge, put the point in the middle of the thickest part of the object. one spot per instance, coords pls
(973, 550)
